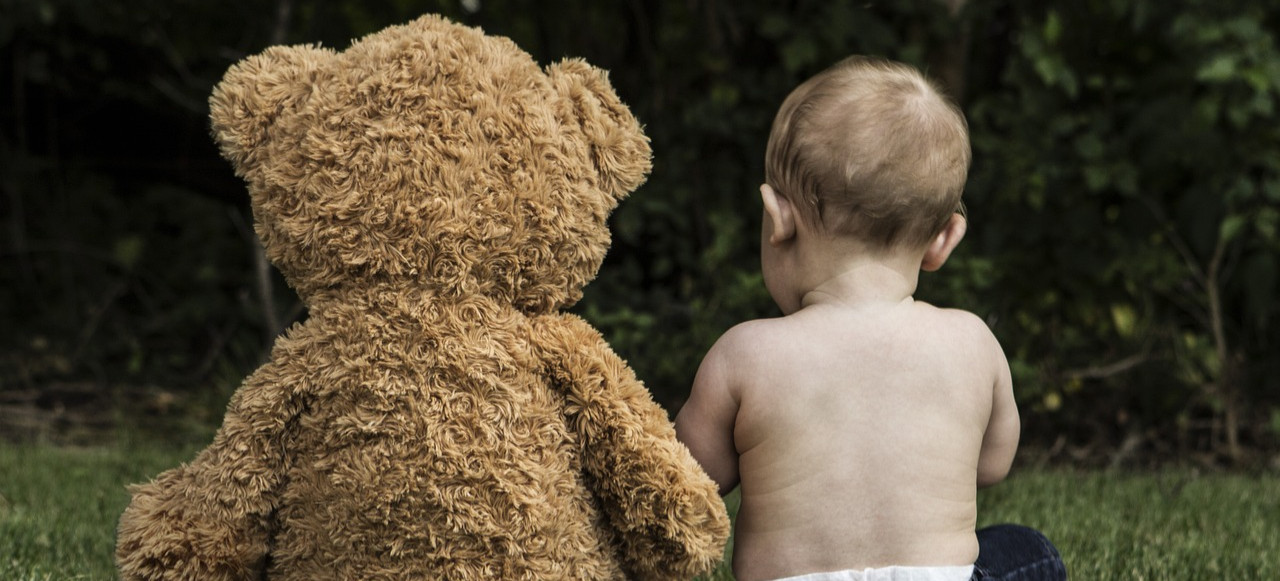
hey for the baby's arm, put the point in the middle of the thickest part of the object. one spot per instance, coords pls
(1000, 441)
(705, 422)
(670, 522)
(209, 519)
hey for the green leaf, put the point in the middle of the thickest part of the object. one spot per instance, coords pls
(798, 53)
(1272, 190)
(1090, 146)
(1257, 78)
(1266, 224)
(1125, 320)
(1222, 68)
(128, 251)
(724, 95)
(1231, 227)
(1096, 178)
(1052, 28)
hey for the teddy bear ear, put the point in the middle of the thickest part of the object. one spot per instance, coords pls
(619, 147)
(256, 92)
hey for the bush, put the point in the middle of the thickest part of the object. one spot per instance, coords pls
(1123, 198)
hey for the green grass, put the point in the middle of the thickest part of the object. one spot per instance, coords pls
(1164, 526)
(59, 506)
(58, 509)
(1149, 526)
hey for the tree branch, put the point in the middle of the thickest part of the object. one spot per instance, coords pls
(1110, 369)
(1179, 245)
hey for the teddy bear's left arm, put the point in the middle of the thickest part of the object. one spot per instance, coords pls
(210, 519)
(667, 511)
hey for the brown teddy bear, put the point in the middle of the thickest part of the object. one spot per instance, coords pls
(436, 199)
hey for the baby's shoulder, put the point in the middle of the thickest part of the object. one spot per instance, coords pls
(750, 337)
(740, 348)
(954, 320)
(959, 330)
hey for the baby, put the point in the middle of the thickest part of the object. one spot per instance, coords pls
(861, 423)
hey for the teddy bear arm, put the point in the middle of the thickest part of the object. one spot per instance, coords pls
(208, 519)
(667, 511)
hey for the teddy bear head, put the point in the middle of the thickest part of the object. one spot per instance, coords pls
(430, 156)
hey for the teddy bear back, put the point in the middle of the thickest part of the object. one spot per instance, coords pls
(430, 157)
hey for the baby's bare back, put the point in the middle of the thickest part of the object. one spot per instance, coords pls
(859, 434)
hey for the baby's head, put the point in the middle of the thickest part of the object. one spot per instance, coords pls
(872, 150)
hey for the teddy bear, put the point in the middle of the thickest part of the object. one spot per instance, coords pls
(437, 200)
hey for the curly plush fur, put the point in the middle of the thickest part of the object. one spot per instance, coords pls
(436, 199)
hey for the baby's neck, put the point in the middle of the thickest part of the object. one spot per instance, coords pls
(864, 281)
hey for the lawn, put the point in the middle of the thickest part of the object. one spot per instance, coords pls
(58, 508)
(1155, 526)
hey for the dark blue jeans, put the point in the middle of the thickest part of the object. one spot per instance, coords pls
(1016, 553)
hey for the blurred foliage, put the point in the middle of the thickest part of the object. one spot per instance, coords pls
(1126, 188)
(1124, 199)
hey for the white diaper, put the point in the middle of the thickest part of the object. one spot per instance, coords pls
(960, 573)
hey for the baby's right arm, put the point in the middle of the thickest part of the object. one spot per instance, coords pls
(705, 422)
(1000, 441)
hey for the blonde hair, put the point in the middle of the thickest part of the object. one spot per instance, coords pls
(871, 149)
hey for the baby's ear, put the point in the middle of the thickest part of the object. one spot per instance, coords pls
(940, 248)
(777, 210)
(255, 93)
(619, 147)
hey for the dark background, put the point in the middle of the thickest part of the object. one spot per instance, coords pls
(1124, 200)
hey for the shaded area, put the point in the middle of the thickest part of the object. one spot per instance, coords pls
(1124, 199)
